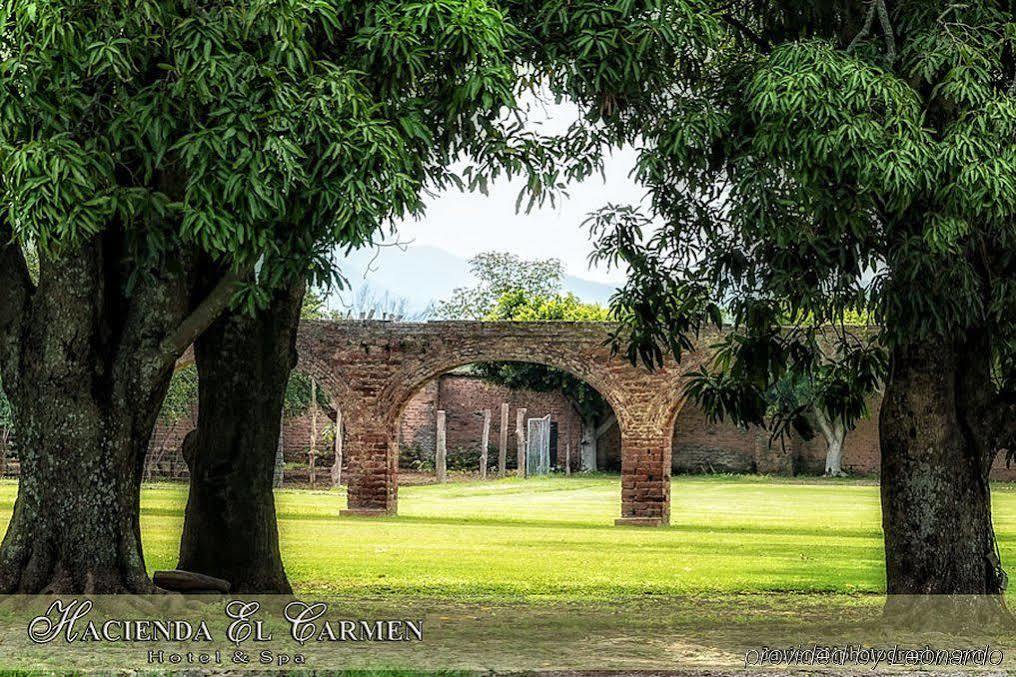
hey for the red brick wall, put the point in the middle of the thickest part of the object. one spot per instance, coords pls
(460, 395)
(418, 428)
(166, 462)
(463, 397)
(698, 445)
(702, 447)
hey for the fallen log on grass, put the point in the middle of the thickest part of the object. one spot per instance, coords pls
(176, 580)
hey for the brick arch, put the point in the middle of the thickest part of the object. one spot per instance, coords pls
(318, 368)
(406, 385)
(373, 368)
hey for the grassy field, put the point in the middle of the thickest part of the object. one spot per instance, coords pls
(519, 575)
(554, 537)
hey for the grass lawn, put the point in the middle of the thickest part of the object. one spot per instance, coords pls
(554, 537)
(516, 575)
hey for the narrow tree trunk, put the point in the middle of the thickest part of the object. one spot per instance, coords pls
(834, 454)
(936, 503)
(230, 528)
(441, 450)
(484, 444)
(835, 434)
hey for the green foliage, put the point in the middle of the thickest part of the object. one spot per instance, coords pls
(314, 307)
(819, 167)
(298, 395)
(498, 274)
(182, 396)
(521, 306)
(6, 414)
(256, 132)
(512, 289)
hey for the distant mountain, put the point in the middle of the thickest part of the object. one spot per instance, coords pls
(422, 275)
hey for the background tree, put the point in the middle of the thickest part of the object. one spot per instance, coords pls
(523, 306)
(803, 401)
(835, 157)
(162, 157)
(399, 91)
(497, 274)
(367, 304)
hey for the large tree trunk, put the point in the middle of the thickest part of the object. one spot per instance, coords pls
(936, 503)
(86, 392)
(230, 528)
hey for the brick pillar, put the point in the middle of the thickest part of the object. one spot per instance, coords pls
(645, 478)
(372, 466)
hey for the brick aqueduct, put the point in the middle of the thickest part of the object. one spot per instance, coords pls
(372, 369)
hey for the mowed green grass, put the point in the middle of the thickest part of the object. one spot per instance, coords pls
(555, 537)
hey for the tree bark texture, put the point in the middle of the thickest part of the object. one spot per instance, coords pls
(937, 451)
(83, 373)
(244, 363)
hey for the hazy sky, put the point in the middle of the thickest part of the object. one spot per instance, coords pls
(468, 223)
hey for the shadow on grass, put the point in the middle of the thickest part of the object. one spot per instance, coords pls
(772, 530)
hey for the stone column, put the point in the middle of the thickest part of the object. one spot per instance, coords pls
(372, 457)
(645, 477)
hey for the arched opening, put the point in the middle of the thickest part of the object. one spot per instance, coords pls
(310, 441)
(555, 417)
(376, 369)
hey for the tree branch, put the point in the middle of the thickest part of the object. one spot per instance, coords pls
(16, 290)
(747, 32)
(869, 19)
(605, 426)
(192, 326)
(823, 423)
(887, 29)
(877, 7)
